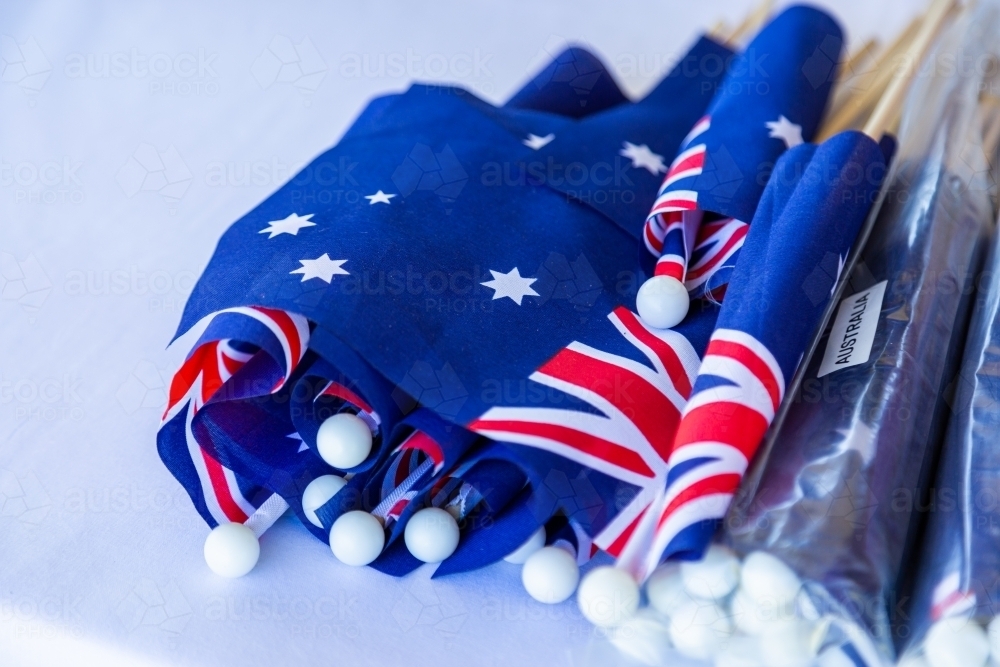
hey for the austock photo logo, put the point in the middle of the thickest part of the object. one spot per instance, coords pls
(579, 74)
(574, 281)
(432, 607)
(425, 169)
(144, 389)
(23, 64)
(151, 170)
(180, 74)
(440, 390)
(286, 62)
(23, 498)
(149, 605)
(54, 181)
(49, 399)
(24, 282)
(821, 65)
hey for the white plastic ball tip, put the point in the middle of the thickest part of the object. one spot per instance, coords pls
(665, 589)
(231, 550)
(956, 642)
(713, 577)
(751, 616)
(550, 575)
(993, 633)
(530, 546)
(431, 534)
(344, 440)
(913, 660)
(318, 493)
(790, 642)
(608, 596)
(357, 538)
(662, 302)
(767, 580)
(644, 637)
(700, 628)
(740, 652)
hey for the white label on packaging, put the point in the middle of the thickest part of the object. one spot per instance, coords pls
(853, 330)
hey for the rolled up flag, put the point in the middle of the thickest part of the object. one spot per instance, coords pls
(772, 99)
(807, 221)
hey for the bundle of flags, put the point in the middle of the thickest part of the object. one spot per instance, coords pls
(854, 471)
(474, 307)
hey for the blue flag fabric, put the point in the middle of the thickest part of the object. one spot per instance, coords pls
(773, 98)
(575, 84)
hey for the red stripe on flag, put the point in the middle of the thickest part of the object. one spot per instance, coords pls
(420, 441)
(668, 357)
(719, 255)
(669, 268)
(730, 423)
(654, 242)
(600, 448)
(615, 548)
(220, 485)
(675, 204)
(750, 359)
(725, 483)
(641, 402)
(338, 390)
(288, 328)
(231, 365)
(187, 375)
(398, 508)
(693, 161)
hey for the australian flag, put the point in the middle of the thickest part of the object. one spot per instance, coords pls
(466, 288)
(772, 98)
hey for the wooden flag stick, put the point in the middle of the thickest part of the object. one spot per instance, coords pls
(846, 86)
(892, 99)
(752, 23)
(853, 60)
(874, 82)
(991, 128)
(719, 30)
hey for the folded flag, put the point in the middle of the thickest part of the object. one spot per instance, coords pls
(772, 99)
(794, 251)
(414, 301)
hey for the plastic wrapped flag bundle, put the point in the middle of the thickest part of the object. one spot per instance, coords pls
(955, 601)
(832, 498)
(956, 589)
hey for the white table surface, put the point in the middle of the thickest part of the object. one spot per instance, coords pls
(100, 549)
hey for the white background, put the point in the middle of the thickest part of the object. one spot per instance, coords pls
(100, 550)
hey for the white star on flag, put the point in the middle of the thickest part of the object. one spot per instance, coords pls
(322, 267)
(642, 156)
(302, 443)
(379, 198)
(511, 285)
(290, 225)
(535, 142)
(785, 130)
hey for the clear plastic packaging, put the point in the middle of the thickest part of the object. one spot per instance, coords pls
(836, 491)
